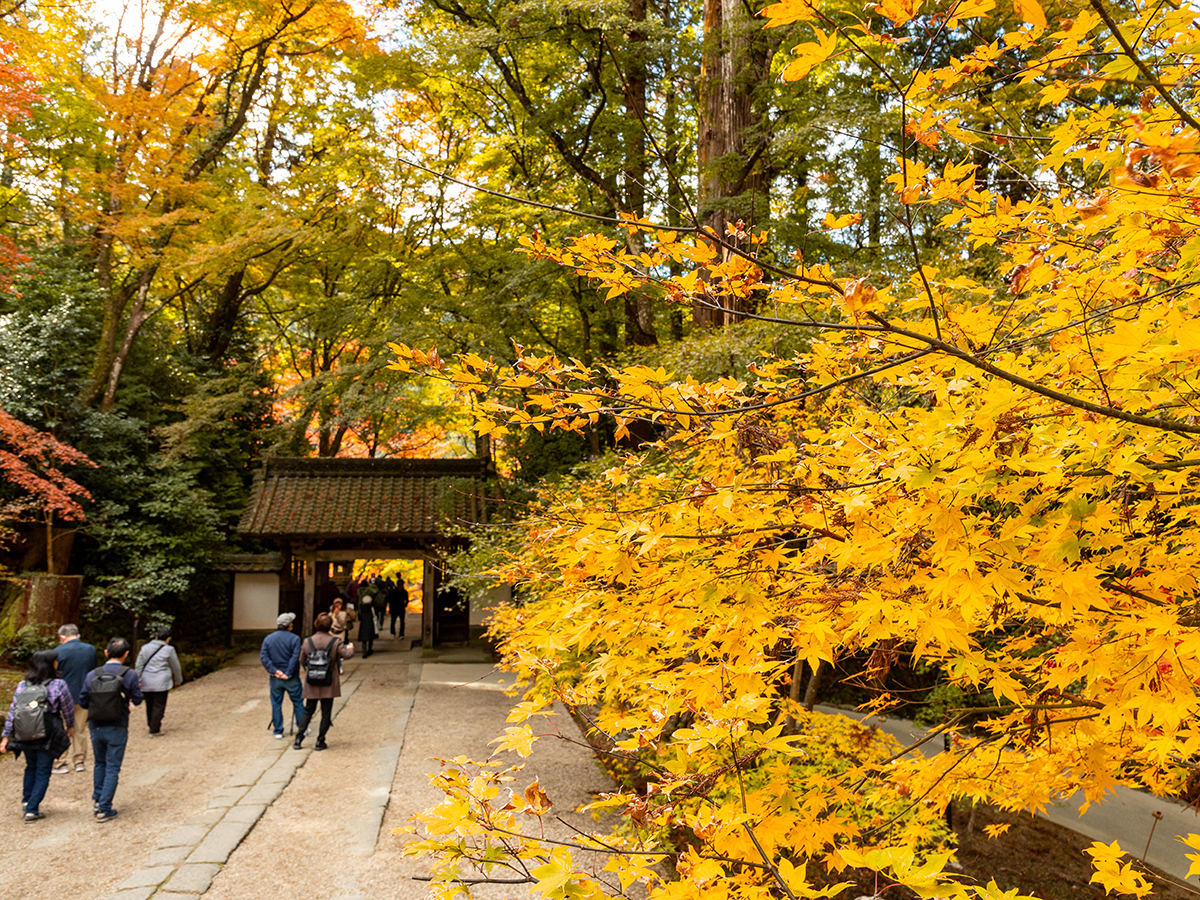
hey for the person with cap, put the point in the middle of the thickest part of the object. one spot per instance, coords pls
(280, 656)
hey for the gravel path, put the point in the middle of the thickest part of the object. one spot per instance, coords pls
(317, 825)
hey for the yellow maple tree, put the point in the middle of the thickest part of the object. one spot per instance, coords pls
(987, 463)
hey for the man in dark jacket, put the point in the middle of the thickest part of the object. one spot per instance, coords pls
(399, 605)
(109, 726)
(280, 655)
(75, 660)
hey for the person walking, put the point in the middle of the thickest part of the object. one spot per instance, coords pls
(75, 659)
(108, 693)
(158, 671)
(366, 623)
(40, 687)
(322, 641)
(399, 606)
(383, 596)
(280, 656)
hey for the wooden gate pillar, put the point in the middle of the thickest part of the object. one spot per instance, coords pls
(429, 585)
(310, 591)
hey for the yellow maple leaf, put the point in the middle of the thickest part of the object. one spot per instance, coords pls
(518, 738)
(788, 11)
(833, 222)
(860, 295)
(809, 55)
(899, 11)
(1030, 11)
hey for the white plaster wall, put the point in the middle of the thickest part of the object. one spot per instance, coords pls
(481, 609)
(255, 601)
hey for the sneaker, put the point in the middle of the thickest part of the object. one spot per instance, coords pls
(60, 770)
(106, 816)
(299, 742)
(320, 745)
(95, 806)
(278, 736)
(79, 767)
(33, 816)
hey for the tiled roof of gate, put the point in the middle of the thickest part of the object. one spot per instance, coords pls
(249, 562)
(362, 497)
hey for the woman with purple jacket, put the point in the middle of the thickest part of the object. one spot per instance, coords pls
(60, 728)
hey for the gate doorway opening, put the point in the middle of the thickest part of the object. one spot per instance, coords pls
(335, 519)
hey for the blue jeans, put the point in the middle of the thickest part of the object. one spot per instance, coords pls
(37, 778)
(292, 686)
(108, 750)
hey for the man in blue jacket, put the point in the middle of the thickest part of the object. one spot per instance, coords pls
(75, 660)
(108, 703)
(280, 656)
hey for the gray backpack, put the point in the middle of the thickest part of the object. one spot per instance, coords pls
(320, 663)
(29, 715)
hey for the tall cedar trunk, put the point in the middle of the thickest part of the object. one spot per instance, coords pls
(731, 185)
(874, 158)
(671, 129)
(639, 316)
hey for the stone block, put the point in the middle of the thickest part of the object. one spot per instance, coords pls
(147, 877)
(208, 817)
(248, 813)
(169, 856)
(251, 772)
(264, 794)
(280, 773)
(220, 843)
(192, 879)
(171, 895)
(186, 836)
(226, 797)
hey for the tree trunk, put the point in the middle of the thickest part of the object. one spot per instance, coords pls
(639, 312)
(218, 332)
(50, 600)
(671, 131)
(814, 685)
(730, 137)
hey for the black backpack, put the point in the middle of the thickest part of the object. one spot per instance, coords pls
(29, 715)
(320, 664)
(106, 703)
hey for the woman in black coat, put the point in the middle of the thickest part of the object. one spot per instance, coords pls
(366, 622)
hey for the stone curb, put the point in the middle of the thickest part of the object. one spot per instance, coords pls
(183, 866)
(362, 833)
